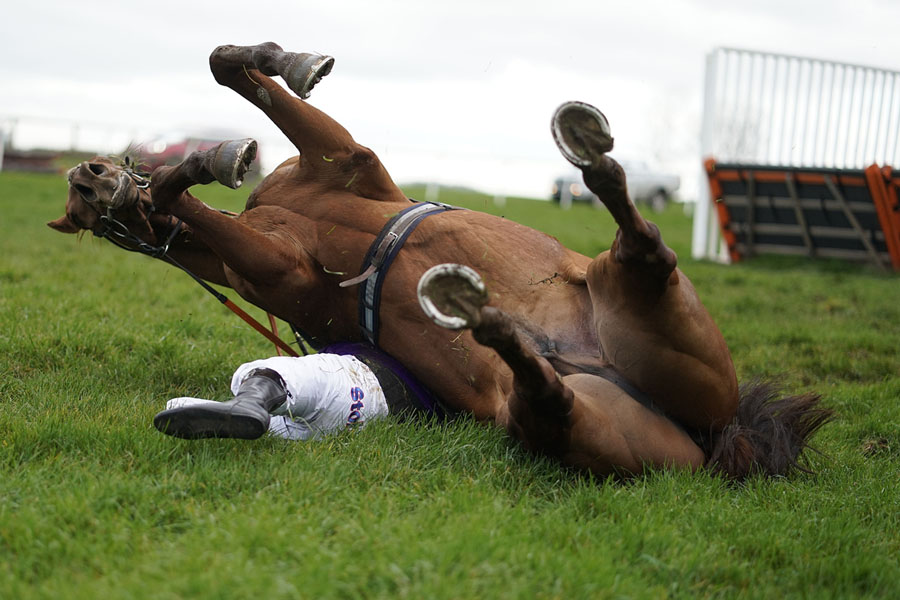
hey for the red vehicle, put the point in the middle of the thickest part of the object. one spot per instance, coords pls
(171, 151)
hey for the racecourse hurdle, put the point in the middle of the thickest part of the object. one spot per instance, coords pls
(796, 153)
(834, 213)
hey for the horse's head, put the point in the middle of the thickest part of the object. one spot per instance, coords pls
(100, 190)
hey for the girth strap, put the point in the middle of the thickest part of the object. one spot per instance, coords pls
(379, 258)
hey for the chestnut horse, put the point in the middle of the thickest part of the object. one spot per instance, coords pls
(609, 364)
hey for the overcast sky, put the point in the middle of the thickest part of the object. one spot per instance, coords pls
(457, 92)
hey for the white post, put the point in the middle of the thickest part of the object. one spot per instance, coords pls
(432, 192)
(565, 198)
(73, 140)
(705, 234)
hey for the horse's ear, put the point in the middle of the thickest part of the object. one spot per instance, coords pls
(64, 225)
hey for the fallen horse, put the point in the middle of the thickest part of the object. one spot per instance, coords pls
(610, 364)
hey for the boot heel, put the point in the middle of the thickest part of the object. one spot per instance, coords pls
(213, 420)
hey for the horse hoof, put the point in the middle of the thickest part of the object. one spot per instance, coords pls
(452, 296)
(581, 132)
(232, 160)
(306, 71)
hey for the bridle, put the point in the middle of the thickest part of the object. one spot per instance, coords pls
(117, 232)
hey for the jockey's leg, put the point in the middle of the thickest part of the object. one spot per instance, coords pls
(651, 325)
(328, 153)
(583, 420)
(313, 395)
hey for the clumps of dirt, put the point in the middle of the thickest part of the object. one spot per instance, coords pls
(875, 446)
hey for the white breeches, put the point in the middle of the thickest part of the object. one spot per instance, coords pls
(325, 393)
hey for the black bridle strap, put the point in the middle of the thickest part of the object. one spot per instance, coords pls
(118, 233)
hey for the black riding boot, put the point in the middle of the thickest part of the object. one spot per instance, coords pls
(245, 417)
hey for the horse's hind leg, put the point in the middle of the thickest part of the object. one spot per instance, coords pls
(650, 323)
(539, 405)
(248, 71)
(328, 153)
(582, 420)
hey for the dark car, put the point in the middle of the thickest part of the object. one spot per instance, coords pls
(573, 186)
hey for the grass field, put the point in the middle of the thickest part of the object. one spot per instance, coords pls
(95, 503)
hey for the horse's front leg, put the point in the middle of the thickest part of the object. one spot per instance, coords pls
(250, 253)
(226, 163)
(650, 323)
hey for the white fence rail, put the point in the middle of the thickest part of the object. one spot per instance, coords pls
(770, 109)
(497, 174)
(29, 132)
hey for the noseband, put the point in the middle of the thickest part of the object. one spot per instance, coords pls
(116, 231)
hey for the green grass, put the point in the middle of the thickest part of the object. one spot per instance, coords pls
(95, 503)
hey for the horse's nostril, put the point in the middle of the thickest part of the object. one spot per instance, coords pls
(86, 192)
(97, 169)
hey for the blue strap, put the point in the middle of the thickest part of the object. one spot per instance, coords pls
(380, 256)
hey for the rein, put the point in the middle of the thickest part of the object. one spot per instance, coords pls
(118, 233)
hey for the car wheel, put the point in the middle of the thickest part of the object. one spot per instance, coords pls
(658, 201)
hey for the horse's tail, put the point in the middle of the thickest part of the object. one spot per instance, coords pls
(768, 433)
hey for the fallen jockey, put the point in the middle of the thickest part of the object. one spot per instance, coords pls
(301, 398)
